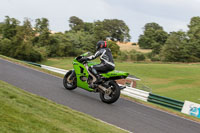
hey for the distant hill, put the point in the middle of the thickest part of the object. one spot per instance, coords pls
(128, 47)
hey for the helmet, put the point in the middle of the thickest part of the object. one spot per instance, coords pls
(101, 44)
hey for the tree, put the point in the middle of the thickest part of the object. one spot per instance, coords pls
(153, 26)
(82, 41)
(100, 33)
(42, 25)
(42, 32)
(1, 28)
(194, 29)
(17, 42)
(113, 29)
(61, 46)
(9, 28)
(76, 23)
(153, 37)
(175, 48)
(28, 30)
(25, 51)
(88, 27)
(22, 44)
(194, 37)
(118, 30)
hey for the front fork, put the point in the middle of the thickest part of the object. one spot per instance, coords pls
(72, 75)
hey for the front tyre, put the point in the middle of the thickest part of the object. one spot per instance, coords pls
(69, 82)
(114, 96)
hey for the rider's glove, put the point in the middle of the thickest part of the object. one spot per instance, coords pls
(83, 59)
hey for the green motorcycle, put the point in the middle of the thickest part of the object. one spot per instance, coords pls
(81, 77)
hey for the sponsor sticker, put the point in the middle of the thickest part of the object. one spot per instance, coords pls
(191, 108)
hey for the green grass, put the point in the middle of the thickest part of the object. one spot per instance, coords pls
(64, 63)
(178, 80)
(22, 112)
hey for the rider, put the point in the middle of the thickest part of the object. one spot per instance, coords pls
(107, 63)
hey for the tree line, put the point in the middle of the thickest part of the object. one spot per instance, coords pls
(177, 46)
(36, 43)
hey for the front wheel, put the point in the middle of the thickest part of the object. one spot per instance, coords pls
(113, 96)
(69, 80)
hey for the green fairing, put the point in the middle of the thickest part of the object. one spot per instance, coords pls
(77, 68)
(80, 71)
(115, 73)
(91, 63)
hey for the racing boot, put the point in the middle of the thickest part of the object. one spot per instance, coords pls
(97, 76)
(98, 79)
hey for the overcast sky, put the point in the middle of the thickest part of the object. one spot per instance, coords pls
(172, 15)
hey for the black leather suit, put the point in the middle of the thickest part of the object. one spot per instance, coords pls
(107, 63)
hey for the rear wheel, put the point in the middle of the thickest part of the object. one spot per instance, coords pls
(113, 96)
(69, 82)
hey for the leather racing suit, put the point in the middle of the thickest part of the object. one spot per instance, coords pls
(106, 65)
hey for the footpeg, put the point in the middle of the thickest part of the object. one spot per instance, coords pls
(122, 87)
(93, 86)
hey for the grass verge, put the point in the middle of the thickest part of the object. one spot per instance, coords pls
(22, 112)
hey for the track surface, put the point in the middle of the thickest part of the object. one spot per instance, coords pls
(125, 114)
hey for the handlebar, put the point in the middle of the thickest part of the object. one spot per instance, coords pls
(79, 59)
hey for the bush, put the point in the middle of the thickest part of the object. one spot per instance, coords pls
(123, 56)
(114, 48)
(140, 57)
(136, 56)
(134, 43)
(149, 55)
(76, 52)
(155, 58)
(43, 52)
(5, 46)
(34, 56)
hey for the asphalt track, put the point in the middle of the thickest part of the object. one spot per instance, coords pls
(125, 114)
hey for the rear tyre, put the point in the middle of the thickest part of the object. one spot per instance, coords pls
(70, 84)
(114, 96)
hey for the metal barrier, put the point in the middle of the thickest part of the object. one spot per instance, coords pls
(32, 63)
(165, 101)
(136, 93)
(57, 70)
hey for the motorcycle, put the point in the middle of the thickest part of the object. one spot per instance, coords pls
(81, 77)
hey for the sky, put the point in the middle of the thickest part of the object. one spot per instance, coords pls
(172, 15)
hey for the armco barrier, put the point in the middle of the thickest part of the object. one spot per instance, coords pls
(57, 70)
(136, 93)
(165, 101)
(32, 63)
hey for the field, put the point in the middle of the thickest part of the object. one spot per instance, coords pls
(128, 47)
(179, 81)
(22, 112)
